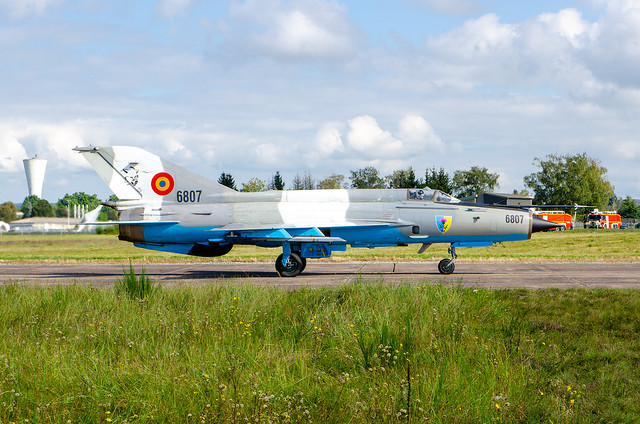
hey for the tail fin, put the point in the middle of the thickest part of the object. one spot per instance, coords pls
(134, 174)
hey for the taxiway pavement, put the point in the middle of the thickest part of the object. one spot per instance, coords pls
(330, 274)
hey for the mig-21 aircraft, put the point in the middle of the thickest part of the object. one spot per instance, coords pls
(168, 208)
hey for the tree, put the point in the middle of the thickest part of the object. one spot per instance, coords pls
(438, 180)
(629, 208)
(254, 184)
(276, 182)
(91, 201)
(8, 212)
(35, 206)
(474, 181)
(227, 180)
(568, 180)
(27, 206)
(368, 177)
(333, 181)
(404, 178)
(303, 182)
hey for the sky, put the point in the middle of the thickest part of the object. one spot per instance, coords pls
(250, 87)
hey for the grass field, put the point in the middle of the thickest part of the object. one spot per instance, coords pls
(415, 352)
(360, 353)
(577, 245)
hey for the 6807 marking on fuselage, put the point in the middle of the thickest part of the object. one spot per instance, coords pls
(188, 196)
(168, 208)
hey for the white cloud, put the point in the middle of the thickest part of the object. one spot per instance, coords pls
(614, 55)
(170, 8)
(366, 143)
(295, 29)
(268, 153)
(329, 139)
(11, 152)
(419, 133)
(22, 8)
(627, 149)
(569, 24)
(367, 138)
(53, 142)
(454, 7)
(475, 39)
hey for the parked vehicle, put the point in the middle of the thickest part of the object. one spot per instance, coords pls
(559, 217)
(606, 220)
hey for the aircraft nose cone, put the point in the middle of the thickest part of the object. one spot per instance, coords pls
(540, 224)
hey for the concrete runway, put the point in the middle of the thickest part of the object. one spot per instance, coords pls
(323, 274)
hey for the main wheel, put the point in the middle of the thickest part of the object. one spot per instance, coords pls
(446, 266)
(294, 265)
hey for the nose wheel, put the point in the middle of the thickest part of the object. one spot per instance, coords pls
(294, 266)
(447, 266)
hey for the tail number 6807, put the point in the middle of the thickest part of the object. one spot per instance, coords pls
(514, 219)
(188, 196)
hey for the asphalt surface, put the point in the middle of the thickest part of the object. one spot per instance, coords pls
(481, 275)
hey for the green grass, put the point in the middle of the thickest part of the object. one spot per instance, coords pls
(139, 287)
(359, 353)
(577, 245)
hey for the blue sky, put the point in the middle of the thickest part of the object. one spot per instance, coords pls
(249, 87)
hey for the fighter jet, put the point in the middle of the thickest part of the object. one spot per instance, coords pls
(168, 208)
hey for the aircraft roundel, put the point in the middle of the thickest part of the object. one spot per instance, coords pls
(162, 183)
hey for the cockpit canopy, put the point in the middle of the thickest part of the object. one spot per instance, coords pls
(430, 195)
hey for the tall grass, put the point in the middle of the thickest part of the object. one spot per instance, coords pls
(358, 353)
(138, 287)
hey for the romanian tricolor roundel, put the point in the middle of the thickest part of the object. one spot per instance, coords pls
(162, 183)
(443, 223)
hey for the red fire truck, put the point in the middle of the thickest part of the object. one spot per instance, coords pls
(559, 217)
(597, 219)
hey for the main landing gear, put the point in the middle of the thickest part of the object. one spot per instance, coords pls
(295, 265)
(447, 266)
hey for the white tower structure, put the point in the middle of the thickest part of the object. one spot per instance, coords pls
(35, 169)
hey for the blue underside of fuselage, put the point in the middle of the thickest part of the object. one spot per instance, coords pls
(178, 239)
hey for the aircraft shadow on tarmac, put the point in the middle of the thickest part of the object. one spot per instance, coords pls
(207, 274)
(213, 275)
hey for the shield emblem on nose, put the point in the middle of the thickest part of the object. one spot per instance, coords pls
(443, 223)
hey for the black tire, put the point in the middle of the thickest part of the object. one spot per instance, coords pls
(446, 266)
(304, 263)
(294, 266)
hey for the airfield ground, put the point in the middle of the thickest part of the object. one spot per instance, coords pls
(494, 275)
(572, 259)
(381, 339)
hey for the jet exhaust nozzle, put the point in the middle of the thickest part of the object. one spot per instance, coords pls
(540, 224)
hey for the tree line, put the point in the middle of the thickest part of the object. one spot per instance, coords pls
(33, 206)
(567, 180)
(462, 183)
(561, 180)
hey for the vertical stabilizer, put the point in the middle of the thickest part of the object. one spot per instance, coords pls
(133, 174)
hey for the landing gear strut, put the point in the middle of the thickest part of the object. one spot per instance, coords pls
(447, 266)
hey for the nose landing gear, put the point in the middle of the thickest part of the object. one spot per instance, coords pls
(447, 266)
(294, 266)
